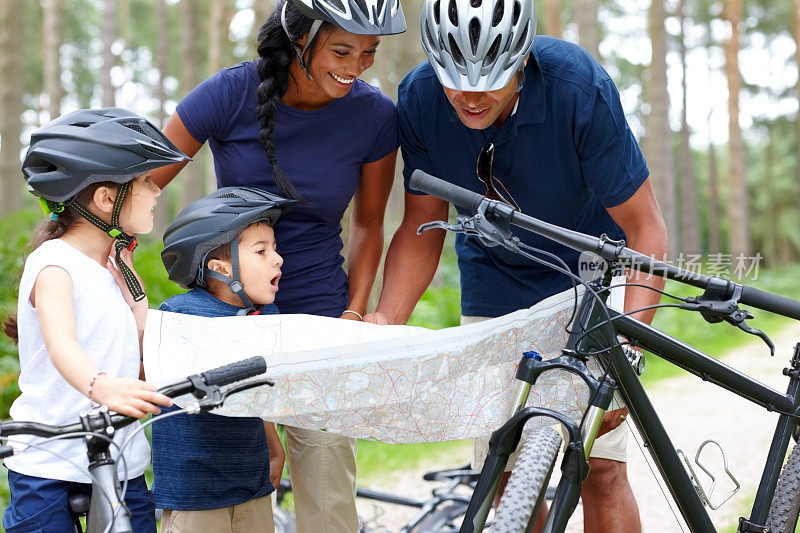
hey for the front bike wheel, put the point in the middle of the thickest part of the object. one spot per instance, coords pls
(785, 505)
(527, 485)
(443, 520)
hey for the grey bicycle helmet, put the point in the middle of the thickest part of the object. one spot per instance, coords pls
(211, 222)
(477, 45)
(361, 17)
(93, 145)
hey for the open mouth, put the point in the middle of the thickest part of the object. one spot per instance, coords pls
(274, 281)
(340, 79)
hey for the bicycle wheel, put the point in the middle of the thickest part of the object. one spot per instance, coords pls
(443, 520)
(785, 506)
(527, 485)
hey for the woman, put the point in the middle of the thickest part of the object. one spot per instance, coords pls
(297, 121)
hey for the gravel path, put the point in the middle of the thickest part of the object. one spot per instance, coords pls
(692, 411)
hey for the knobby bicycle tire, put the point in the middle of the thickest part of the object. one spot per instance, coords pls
(443, 519)
(785, 505)
(527, 485)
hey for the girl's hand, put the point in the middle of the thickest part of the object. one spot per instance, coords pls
(127, 258)
(376, 318)
(130, 397)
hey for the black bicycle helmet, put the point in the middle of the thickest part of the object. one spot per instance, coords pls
(93, 145)
(211, 222)
(361, 17)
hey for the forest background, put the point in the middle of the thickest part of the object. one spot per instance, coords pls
(710, 88)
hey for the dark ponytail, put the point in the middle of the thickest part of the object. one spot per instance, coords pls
(47, 230)
(275, 53)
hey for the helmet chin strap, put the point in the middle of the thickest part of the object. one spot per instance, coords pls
(233, 282)
(301, 52)
(121, 239)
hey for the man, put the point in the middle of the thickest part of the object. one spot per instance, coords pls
(563, 151)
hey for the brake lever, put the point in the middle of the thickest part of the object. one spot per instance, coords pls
(741, 324)
(216, 396)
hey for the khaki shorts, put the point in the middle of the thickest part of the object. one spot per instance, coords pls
(613, 445)
(322, 466)
(254, 516)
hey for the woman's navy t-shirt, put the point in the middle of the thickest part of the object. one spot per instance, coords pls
(321, 152)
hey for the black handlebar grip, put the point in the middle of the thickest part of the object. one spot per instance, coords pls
(771, 302)
(454, 194)
(235, 371)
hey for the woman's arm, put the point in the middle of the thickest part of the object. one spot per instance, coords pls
(277, 455)
(365, 244)
(176, 132)
(52, 298)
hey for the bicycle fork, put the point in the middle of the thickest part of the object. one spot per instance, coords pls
(505, 440)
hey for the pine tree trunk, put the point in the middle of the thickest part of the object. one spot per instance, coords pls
(192, 186)
(796, 17)
(109, 30)
(52, 11)
(262, 10)
(771, 230)
(12, 14)
(658, 142)
(161, 61)
(690, 223)
(552, 17)
(738, 219)
(714, 244)
(588, 25)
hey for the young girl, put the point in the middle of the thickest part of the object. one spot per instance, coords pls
(81, 315)
(299, 120)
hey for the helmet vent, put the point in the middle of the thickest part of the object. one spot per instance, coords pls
(474, 34)
(82, 124)
(492, 54)
(452, 13)
(475, 3)
(229, 195)
(435, 13)
(456, 52)
(136, 128)
(338, 5)
(521, 41)
(517, 11)
(497, 16)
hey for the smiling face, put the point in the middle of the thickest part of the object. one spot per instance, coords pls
(479, 110)
(339, 58)
(137, 212)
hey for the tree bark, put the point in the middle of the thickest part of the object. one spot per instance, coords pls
(738, 219)
(12, 14)
(219, 21)
(261, 10)
(658, 142)
(161, 60)
(552, 17)
(108, 30)
(796, 18)
(588, 25)
(690, 224)
(714, 244)
(192, 184)
(52, 11)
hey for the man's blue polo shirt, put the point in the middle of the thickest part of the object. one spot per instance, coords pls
(565, 155)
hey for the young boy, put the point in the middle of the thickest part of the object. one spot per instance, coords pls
(215, 473)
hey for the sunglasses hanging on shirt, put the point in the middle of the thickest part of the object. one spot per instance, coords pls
(485, 164)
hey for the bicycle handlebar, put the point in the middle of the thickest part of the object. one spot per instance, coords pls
(471, 201)
(216, 377)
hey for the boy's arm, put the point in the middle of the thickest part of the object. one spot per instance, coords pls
(277, 455)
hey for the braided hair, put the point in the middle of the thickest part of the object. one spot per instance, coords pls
(275, 53)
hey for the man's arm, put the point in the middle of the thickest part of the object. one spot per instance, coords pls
(641, 220)
(411, 260)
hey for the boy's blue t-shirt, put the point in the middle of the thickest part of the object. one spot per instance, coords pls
(321, 151)
(566, 155)
(208, 461)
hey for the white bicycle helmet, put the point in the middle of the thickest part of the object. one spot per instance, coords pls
(360, 17)
(477, 45)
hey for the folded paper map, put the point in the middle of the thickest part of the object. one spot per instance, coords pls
(395, 384)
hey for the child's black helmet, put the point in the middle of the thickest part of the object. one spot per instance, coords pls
(211, 222)
(93, 145)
